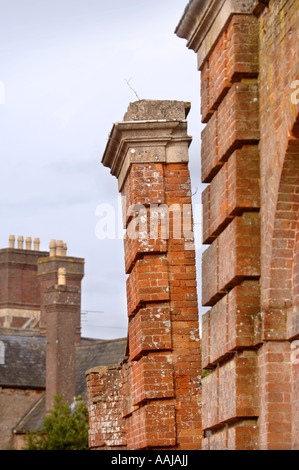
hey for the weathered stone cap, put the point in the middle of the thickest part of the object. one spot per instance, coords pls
(156, 110)
(203, 21)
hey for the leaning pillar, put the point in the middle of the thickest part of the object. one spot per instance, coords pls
(148, 153)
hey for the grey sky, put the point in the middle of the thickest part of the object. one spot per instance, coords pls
(64, 65)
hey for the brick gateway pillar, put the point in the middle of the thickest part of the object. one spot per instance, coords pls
(158, 396)
(248, 56)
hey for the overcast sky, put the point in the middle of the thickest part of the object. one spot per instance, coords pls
(64, 66)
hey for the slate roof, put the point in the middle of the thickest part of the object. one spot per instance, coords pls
(24, 359)
(25, 365)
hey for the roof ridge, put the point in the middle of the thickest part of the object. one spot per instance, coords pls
(112, 340)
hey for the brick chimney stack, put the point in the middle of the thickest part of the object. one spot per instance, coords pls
(60, 279)
(19, 286)
(48, 268)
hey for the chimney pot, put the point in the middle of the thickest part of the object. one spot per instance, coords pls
(28, 243)
(52, 247)
(20, 242)
(11, 241)
(59, 248)
(36, 243)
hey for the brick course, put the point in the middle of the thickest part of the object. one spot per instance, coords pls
(234, 55)
(150, 330)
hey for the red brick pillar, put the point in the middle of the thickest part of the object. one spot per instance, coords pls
(229, 63)
(60, 279)
(248, 57)
(148, 153)
(231, 265)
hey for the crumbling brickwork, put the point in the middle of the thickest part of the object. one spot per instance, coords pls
(107, 427)
(160, 385)
(248, 58)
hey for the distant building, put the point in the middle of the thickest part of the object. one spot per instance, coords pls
(41, 349)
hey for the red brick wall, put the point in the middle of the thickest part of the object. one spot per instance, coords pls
(279, 68)
(279, 154)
